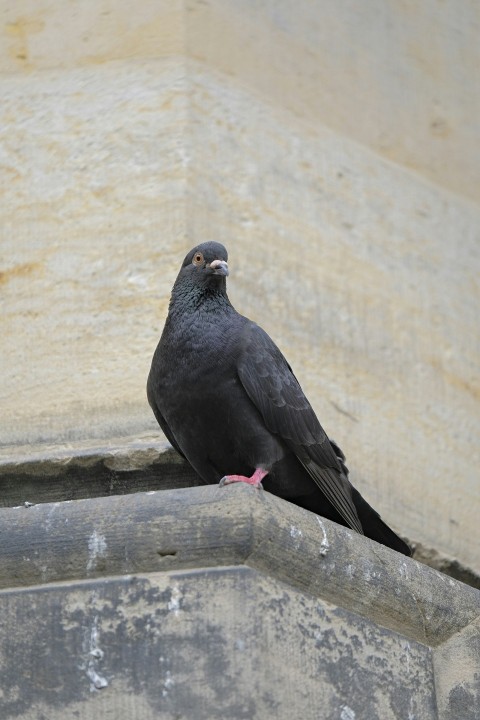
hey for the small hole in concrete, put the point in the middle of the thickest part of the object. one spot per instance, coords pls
(166, 553)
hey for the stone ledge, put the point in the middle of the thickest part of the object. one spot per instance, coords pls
(40, 474)
(77, 471)
(207, 527)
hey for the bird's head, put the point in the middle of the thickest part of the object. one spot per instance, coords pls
(206, 265)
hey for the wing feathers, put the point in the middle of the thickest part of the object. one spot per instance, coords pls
(275, 391)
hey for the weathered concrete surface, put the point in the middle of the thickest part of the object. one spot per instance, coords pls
(225, 643)
(212, 526)
(53, 475)
(125, 140)
(392, 75)
(223, 603)
(457, 672)
(92, 214)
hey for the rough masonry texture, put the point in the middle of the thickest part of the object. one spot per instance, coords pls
(332, 145)
(215, 602)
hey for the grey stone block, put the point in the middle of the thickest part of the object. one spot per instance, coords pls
(216, 643)
(224, 603)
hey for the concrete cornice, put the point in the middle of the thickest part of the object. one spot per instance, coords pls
(205, 527)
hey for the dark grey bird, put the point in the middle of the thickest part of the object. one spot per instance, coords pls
(228, 401)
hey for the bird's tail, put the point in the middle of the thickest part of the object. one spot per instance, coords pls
(374, 527)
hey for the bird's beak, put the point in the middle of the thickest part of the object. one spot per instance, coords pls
(219, 267)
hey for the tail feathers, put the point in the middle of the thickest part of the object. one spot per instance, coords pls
(336, 489)
(374, 527)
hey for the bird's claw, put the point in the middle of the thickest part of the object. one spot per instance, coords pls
(255, 480)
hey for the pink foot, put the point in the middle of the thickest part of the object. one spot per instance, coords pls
(255, 479)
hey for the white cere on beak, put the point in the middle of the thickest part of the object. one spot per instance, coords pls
(220, 266)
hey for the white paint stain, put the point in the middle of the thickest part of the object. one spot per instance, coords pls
(48, 520)
(296, 535)
(347, 713)
(174, 602)
(324, 545)
(97, 681)
(168, 683)
(97, 547)
(295, 532)
(96, 654)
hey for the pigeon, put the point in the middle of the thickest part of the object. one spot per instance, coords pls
(228, 401)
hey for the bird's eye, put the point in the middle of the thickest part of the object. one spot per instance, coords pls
(197, 258)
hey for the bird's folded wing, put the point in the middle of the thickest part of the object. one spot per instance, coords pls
(273, 388)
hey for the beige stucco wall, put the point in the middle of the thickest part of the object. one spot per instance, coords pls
(331, 146)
